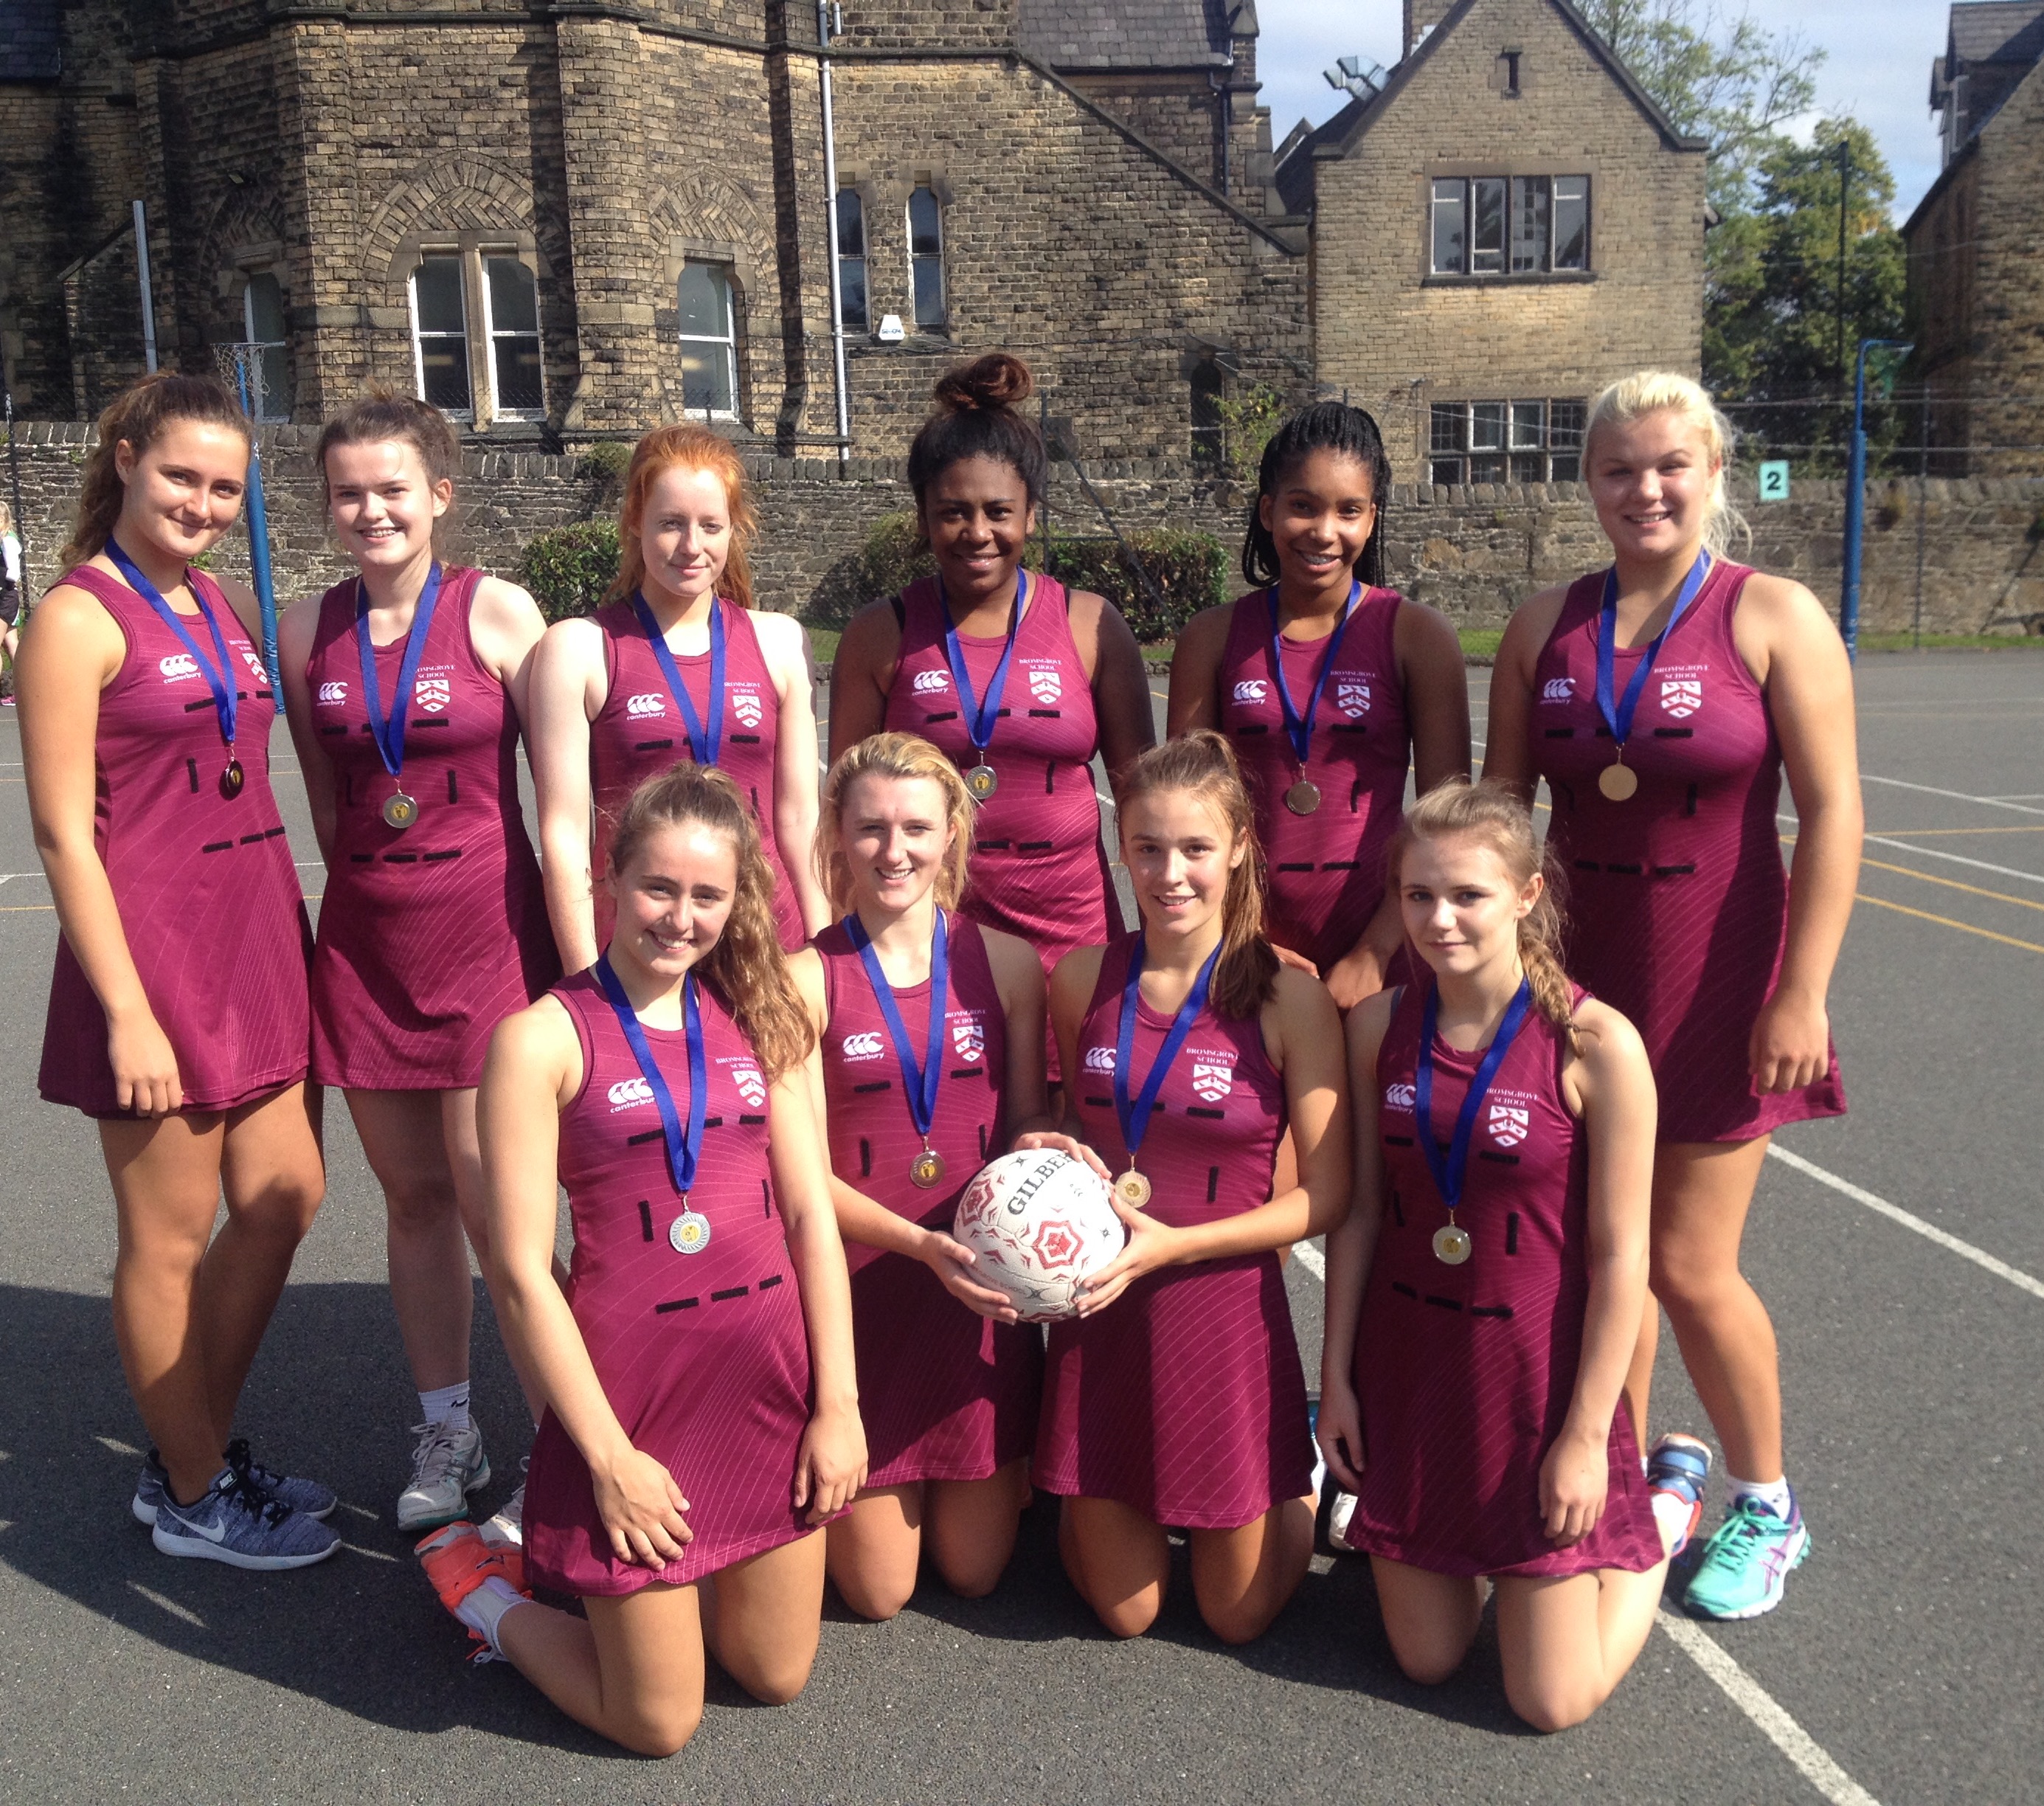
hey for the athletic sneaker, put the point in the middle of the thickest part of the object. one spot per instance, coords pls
(237, 1522)
(506, 1530)
(1678, 1471)
(1746, 1561)
(1313, 1433)
(1339, 1515)
(457, 1561)
(447, 1464)
(302, 1494)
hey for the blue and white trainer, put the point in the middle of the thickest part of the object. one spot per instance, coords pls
(1678, 1471)
(1745, 1564)
(302, 1494)
(237, 1522)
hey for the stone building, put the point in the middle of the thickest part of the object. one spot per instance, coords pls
(563, 221)
(1499, 226)
(1975, 251)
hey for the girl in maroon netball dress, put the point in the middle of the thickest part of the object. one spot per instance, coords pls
(1329, 686)
(1662, 700)
(930, 1036)
(678, 664)
(1020, 682)
(701, 1413)
(406, 684)
(1175, 1400)
(177, 1017)
(1483, 1296)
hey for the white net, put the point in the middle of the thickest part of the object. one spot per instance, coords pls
(240, 365)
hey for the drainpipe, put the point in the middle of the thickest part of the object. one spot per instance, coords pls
(829, 223)
(148, 301)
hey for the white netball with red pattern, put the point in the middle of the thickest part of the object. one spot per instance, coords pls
(1040, 1222)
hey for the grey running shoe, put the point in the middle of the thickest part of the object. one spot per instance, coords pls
(507, 1529)
(237, 1522)
(306, 1496)
(447, 1464)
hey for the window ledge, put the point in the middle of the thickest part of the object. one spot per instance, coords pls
(1507, 279)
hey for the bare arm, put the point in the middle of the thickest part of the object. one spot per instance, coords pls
(861, 675)
(1508, 756)
(570, 683)
(295, 634)
(1018, 975)
(785, 644)
(505, 626)
(1121, 687)
(71, 650)
(1195, 686)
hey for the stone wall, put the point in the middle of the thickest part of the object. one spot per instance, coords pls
(1475, 553)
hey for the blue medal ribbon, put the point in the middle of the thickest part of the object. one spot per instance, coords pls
(703, 742)
(1449, 1170)
(226, 695)
(1135, 1117)
(1618, 715)
(388, 730)
(1298, 730)
(683, 1145)
(919, 1083)
(980, 716)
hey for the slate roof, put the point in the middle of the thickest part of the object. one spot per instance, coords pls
(1998, 31)
(1130, 34)
(31, 40)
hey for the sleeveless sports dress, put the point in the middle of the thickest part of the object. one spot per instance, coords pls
(704, 1356)
(1326, 869)
(1677, 908)
(429, 935)
(639, 731)
(208, 897)
(1465, 1372)
(946, 1393)
(1038, 869)
(1184, 1399)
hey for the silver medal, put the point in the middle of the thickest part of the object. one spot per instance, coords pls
(690, 1233)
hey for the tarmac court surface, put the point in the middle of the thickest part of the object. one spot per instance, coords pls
(1904, 1666)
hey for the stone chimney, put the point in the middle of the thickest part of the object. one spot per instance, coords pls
(1422, 17)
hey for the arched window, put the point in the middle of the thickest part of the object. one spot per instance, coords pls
(1208, 445)
(440, 335)
(926, 257)
(512, 301)
(263, 327)
(710, 347)
(850, 259)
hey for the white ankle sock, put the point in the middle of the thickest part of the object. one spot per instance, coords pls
(445, 1404)
(483, 1610)
(1771, 1493)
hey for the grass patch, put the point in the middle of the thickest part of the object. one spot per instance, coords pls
(1480, 642)
(822, 644)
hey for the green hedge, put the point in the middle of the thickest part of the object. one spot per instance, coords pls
(568, 568)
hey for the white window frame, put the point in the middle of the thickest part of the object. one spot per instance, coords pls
(1463, 200)
(1507, 422)
(498, 410)
(426, 254)
(269, 409)
(723, 272)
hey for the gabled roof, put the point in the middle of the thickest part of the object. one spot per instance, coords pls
(1133, 34)
(1997, 31)
(31, 40)
(1340, 135)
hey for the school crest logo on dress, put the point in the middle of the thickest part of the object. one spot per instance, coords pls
(331, 695)
(628, 1092)
(1558, 689)
(1212, 1080)
(256, 665)
(638, 707)
(1508, 1124)
(866, 1047)
(1045, 684)
(752, 1085)
(1100, 1059)
(1399, 1098)
(1352, 697)
(745, 706)
(177, 665)
(1251, 691)
(968, 1037)
(1681, 696)
(928, 682)
(433, 694)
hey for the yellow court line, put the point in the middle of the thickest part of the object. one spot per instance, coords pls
(1954, 884)
(1947, 921)
(26, 909)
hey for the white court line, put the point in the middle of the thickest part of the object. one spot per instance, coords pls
(1932, 852)
(2001, 1269)
(1957, 796)
(1758, 1704)
(1312, 1259)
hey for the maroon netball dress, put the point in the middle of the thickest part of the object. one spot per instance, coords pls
(1038, 868)
(208, 897)
(1326, 866)
(1678, 900)
(946, 1393)
(640, 731)
(703, 1355)
(429, 934)
(1465, 1372)
(1184, 1399)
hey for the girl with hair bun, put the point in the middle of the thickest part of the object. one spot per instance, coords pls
(1661, 701)
(1329, 685)
(406, 685)
(677, 665)
(1176, 1397)
(178, 1015)
(1483, 1297)
(929, 1059)
(1018, 681)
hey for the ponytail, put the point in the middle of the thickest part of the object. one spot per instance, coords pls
(138, 415)
(979, 415)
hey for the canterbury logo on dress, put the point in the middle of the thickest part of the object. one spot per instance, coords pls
(1212, 1080)
(1399, 1097)
(745, 705)
(1045, 684)
(643, 705)
(927, 682)
(968, 1037)
(177, 665)
(628, 1092)
(1100, 1059)
(1352, 697)
(1251, 689)
(867, 1047)
(1508, 1124)
(1558, 689)
(433, 694)
(1682, 697)
(331, 695)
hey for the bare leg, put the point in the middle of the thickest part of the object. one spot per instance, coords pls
(430, 1288)
(1702, 1191)
(1431, 1618)
(764, 1619)
(970, 1525)
(1120, 1560)
(632, 1672)
(464, 1149)
(1567, 1643)
(872, 1552)
(1243, 1578)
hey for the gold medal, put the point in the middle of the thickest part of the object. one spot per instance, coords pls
(1134, 1188)
(399, 810)
(1451, 1244)
(1618, 782)
(1304, 798)
(927, 1168)
(689, 1233)
(982, 781)
(232, 779)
